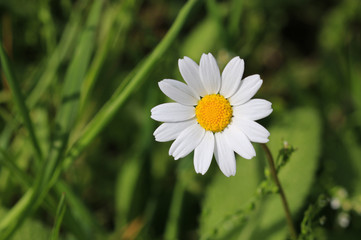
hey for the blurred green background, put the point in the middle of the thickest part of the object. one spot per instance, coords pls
(124, 185)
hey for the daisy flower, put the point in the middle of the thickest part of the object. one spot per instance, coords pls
(213, 114)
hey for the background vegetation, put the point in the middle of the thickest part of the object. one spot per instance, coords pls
(77, 155)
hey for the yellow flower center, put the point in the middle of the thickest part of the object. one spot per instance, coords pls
(214, 112)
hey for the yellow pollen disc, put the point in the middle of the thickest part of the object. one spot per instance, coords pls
(214, 112)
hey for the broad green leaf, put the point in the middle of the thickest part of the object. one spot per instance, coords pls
(301, 128)
(227, 195)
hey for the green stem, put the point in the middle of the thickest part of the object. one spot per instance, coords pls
(19, 99)
(59, 217)
(286, 208)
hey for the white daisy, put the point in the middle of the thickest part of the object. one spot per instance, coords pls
(213, 114)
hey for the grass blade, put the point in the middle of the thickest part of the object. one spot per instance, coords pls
(77, 70)
(99, 57)
(78, 224)
(69, 36)
(64, 121)
(59, 217)
(19, 99)
(115, 102)
(235, 17)
(116, 24)
(172, 226)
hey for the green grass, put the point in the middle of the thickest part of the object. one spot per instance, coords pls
(77, 156)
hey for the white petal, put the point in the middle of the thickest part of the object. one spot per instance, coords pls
(172, 112)
(178, 91)
(187, 141)
(224, 155)
(232, 76)
(190, 73)
(170, 131)
(254, 131)
(209, 73)
(249, 87)
(203, 153)
(238, 141)
(254, 109)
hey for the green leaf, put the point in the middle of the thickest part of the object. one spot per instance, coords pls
(301, 128)
(227, 195)
(31, 229)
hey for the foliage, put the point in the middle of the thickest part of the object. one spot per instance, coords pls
(77, 155)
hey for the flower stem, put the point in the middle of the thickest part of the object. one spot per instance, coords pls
(281, 192)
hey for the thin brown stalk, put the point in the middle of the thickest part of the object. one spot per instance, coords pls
(286, 208)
